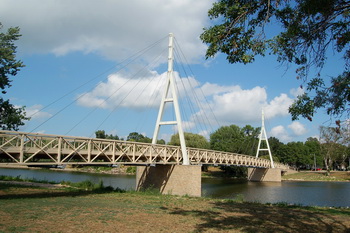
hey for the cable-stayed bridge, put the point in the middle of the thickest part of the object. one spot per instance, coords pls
(22, 148)
(172, 169)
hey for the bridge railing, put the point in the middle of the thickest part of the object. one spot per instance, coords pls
(45, 149)
(35, 148)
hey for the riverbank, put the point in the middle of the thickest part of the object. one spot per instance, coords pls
(214, 172)
(119, 170)
(338, 176)
(60, 209)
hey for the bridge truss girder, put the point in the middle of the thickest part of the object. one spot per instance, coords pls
(42, 149)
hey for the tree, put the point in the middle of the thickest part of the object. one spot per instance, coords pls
(11, 117)
(192, 140)
(227, 138)
(102, 134)
(235, 139)
(161, 141)
(137, 137)
(333, 146)
(275, 147)
(308, 29)
(313, 148)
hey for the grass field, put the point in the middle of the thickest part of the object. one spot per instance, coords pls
(64, 209)
(318, 176)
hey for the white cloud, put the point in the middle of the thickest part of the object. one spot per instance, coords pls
(230, 104)
(187, 126)
(123, 91)
(296, 92)
(278, 106)
(205, 133)
(297, 128)
(34, 112)
(234, 105)
(114, 29)
(280, 132)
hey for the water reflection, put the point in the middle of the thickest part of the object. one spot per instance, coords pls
(126, 182)
(305, 193)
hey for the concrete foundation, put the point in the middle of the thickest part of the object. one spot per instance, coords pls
(264, 174)
(170, 179)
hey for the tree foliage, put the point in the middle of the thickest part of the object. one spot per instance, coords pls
(192, 140)
(305, 31)
(102, 134)
(137, 137)
(235, 139)
(335, 145)
(11, 117)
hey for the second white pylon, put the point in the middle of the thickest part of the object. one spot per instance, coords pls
(263, 137)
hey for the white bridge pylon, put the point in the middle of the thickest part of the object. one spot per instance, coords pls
(170, 96)
(263, 137)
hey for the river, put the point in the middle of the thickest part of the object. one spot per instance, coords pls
(332, 194)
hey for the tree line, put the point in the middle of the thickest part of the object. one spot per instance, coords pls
(331, 151)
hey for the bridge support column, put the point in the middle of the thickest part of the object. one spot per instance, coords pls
(264, 174)
(170, 179)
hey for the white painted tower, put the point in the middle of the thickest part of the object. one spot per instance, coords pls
(263, 137)
(170, 96)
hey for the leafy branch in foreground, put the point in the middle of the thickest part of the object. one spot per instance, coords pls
(301, 33)
(11, 117)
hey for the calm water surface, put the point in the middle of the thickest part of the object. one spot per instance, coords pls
(305, 193)
(294, 192)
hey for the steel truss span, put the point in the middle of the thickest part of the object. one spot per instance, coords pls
(22, 148)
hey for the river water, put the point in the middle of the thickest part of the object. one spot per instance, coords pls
(330, 194)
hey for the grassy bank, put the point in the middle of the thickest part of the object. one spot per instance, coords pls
(72, 209)
(318, 176)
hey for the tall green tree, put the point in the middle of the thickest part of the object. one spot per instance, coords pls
(235, 139)
(313, 147)
(192, 140)
(227, 138)
(102, 134)
(137, 137)
(300, 33)
(11, 117)
(333, 147)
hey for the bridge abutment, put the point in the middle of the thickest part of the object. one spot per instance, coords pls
(264, 174)
(170, 179)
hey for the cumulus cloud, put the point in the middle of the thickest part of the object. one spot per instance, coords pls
(296, 92)
(113, 29)
(34, 112)
(234, 105)
(278, 106)
(297, 128)
(217, 104)
(122, 91)
(280, 132)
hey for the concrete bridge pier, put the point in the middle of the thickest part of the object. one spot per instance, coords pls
(264, 174)
(170, 179)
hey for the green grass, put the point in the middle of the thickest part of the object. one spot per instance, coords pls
(86, 185)
(18, 178)
(32, 209)
(318, 176)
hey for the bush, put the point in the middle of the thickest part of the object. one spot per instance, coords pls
(131, 170)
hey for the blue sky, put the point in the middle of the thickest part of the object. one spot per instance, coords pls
(66, 43)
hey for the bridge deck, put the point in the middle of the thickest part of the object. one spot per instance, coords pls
(43, 149)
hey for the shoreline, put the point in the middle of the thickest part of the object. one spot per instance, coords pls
(303, 176)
